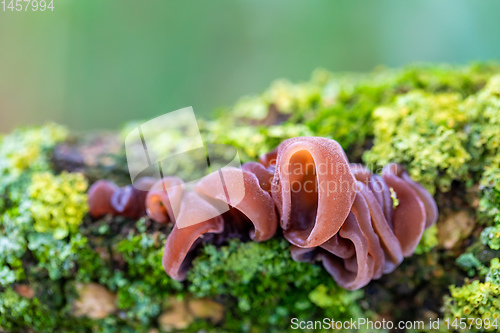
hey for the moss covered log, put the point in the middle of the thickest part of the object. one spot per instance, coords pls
(62, 271)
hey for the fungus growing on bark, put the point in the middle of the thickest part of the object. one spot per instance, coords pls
(375, 236)
(358, 224)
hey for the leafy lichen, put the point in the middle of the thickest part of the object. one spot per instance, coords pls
(27, 148)
(424, 132)
(22, 153)
(491, 236)
(474, 300)
(469, 262)
(58, 203)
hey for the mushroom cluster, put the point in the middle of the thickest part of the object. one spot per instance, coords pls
(359, 225)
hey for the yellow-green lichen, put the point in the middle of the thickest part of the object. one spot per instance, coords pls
(493, 274)
(474, 300)
(326, 297)
(484, 132)
(24, 148)
(58, 203)
(424, 132)
(491, 236)
(251, 141)
(22, 152)
(284, 95)
(429, 240)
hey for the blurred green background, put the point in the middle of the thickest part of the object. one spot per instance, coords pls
(96, 64)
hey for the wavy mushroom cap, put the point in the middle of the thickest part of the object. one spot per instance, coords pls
(314, 189)
(228, 203)
(263, 174)
(269, 159)
(345, 256)
(163, 200)
(391, 251)
(181, 242)
(377, 234)
(243, 190)
(356, 271)
(410, 218)
(430, 205)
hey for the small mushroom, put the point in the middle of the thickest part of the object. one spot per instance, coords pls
(105, 197)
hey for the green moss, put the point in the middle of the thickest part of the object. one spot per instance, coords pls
(327, 297)
(268, 287)
(474, 300)
(489, 204)
(12, 246)
(471, 264)
(493, 274)
(484, 135)
(143, 255)
(17, 312)
(426, 133)
(429, 240)
(144, 289)
(251, 141)
(58, 257)
(20, 314)
(441, 137)
(139, 303)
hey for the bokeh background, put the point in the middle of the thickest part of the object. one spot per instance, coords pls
(96, 64)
